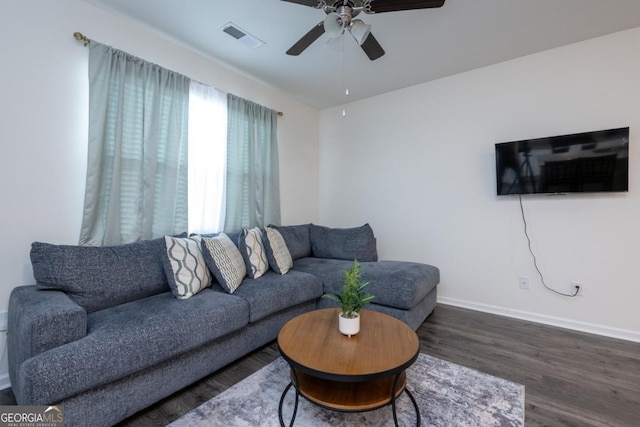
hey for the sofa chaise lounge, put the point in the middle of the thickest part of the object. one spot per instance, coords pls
(103, 334)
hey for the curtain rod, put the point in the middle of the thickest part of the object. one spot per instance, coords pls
(86, 40)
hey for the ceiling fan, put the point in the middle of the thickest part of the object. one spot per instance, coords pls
(340, 17)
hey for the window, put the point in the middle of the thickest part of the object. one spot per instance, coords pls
(207, 157)
(168, 155)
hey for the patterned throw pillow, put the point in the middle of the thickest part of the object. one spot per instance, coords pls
(186, 270)
(224, 260)
(277, 252)
(252, 249)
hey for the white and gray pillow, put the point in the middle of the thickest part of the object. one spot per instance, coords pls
(186, 270)
(278, 253)
(224, 260)
(252, 250)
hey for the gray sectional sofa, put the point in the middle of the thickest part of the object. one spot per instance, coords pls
(102, 334)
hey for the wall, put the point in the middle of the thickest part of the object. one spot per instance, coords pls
(418, 164)
(43, 107)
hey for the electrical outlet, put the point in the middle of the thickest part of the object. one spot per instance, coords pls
(523, 282)
(576, 289)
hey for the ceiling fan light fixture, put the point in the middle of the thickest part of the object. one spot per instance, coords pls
(340, 14)
(359, 30)
(333, 25)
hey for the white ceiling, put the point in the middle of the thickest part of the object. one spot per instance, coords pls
(420, 45)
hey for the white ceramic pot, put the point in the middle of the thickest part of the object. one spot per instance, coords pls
(349, 326)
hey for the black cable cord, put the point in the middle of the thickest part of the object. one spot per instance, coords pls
(535, 261)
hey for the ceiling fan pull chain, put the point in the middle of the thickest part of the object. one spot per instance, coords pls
(345, 75)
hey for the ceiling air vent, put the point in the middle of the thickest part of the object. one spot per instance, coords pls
(239, 34)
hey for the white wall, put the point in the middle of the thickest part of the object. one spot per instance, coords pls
(43, 111)
(418, 164)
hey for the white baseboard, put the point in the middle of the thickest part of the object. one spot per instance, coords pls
(575, 325)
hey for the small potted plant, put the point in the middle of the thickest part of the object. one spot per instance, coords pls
(352, 299)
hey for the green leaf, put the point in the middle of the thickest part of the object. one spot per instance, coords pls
(352, 298)
(334, 297)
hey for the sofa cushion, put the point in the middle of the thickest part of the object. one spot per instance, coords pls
(234, 237)
(278, 254)
(186, 270)
(297, 239)
(252, 250)
(395, 284)
(101, 277)
(224, 260)
(343, 243)
(124, 339)
(272, 292)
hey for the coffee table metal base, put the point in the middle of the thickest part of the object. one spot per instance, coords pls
(347, 396)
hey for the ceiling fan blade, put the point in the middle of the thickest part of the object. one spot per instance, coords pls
(380, 6)
(310, 3)
(372, 48)
(306, 40)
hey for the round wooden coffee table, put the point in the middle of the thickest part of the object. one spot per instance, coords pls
(351, 374)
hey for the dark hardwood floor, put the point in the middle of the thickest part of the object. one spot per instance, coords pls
(571, 378)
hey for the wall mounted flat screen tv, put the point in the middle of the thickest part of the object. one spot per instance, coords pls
(579, 163)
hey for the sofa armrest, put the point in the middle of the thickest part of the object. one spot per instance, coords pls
(40, 320)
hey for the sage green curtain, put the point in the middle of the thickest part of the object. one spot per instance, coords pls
(252, 190)
(136, 184)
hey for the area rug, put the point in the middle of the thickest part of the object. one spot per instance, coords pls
(447, 395)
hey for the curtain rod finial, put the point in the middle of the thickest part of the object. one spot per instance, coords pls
(81, 37)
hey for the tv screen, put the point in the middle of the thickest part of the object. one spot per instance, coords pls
(578, 163)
